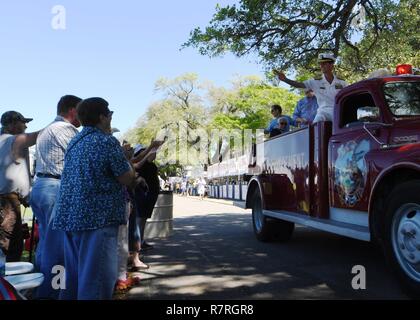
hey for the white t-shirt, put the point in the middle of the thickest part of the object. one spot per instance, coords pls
(14, 172)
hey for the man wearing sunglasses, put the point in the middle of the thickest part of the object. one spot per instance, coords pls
(92, 204)
(277, 111)
(282, 127)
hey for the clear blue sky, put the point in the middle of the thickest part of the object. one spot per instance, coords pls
(112, 49)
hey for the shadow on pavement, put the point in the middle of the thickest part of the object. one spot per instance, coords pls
(217, 257)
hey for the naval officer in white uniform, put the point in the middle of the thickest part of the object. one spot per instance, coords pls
(325, 87)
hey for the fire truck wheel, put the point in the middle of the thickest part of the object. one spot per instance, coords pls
(269, 229)
(402, 234)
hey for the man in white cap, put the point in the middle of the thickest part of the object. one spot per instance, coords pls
(325, 87)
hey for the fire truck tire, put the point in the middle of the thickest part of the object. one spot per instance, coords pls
(402, 235)
(268, 229)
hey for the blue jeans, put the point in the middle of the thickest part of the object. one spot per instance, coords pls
(50, 249)
(91, 263)
(134, 235)
(42, 200)
(133, 231)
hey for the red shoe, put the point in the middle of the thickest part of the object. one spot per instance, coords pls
(122, 286)
(134, 280)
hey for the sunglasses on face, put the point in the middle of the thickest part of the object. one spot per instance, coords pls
(109, 114)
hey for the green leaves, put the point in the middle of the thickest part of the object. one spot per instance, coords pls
(247, 106)
(289, 34)
(190, 109)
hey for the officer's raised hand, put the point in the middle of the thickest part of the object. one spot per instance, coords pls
(280, 74)
(282, 77)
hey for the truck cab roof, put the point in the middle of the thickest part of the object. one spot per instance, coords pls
(374, 83)
(387, 100)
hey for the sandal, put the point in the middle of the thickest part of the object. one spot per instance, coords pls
(139, 268)
(122, 286)
(134, 280)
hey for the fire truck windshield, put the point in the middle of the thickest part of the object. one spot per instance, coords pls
(403, 98)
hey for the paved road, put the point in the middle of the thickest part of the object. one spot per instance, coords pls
(213, 254)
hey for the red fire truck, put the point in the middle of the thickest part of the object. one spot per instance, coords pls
(358, 176)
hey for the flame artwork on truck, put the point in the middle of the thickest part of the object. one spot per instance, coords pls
(358, 176)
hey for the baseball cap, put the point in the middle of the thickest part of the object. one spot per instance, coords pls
(13, 116)
(326, 57)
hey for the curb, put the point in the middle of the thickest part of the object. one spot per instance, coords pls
(236, 203)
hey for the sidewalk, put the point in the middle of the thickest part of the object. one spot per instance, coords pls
(228, 202)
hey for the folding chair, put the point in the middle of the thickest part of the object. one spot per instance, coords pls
(8, 292)
(23, 283)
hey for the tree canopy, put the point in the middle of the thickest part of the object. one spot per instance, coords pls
(191, 110)
(289, 34)
(247, 105)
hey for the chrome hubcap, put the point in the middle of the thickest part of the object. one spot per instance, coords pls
(406, 239)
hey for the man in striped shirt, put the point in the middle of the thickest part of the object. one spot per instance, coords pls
(51, 147)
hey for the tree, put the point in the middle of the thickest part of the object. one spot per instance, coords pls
(182, 90)
(399, 42)
(177, 115)
(183, 117)
(247, 105)
(289, 34)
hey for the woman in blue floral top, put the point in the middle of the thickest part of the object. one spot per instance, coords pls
(91, 204)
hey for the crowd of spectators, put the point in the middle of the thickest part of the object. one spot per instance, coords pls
(92, 195)
(91, 198)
